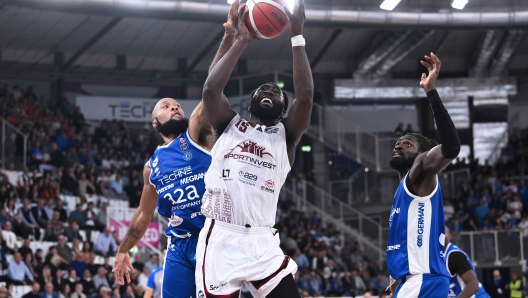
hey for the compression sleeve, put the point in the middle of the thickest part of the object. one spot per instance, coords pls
(458, 263)
(446, 128)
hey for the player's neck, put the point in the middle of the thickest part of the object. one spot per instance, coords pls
(258, 121)
(402, 173)
(168, 139)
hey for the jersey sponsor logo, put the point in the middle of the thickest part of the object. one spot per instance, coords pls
(212, 288)
(187, 205)
(269, 183)
(393, 247)
(421, 210)
(175, 175)
(187, 156)
(271, 130)
(155, 162)
(175, 220)
(156, 172)
(192, 178)
(226, 173)
(165, 188)
(195, 214)
(253, 148)
(268, 186)
(393, 211)
(183, 195)
(201, 294)
(247, 178)
(183, 145)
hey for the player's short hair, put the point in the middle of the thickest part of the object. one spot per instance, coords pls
(284, 94)
(424, 144)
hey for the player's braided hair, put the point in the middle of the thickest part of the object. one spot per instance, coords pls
(425, 144)
(284, 94)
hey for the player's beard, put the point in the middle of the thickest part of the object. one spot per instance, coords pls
(265, 114)
(172, 127)
(402, 164)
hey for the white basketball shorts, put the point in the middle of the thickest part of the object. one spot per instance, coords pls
(227, 255)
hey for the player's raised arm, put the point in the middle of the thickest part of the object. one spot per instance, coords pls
(298, 118)
(440, 156)
(200, 129)
(138, 227)
(217, 108)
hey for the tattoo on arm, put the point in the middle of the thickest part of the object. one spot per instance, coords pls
(133, 232)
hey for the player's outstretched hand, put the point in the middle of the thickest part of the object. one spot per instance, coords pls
(243, 31)
(122, 267)
(296, 18)
(231, 26)
(433, 65)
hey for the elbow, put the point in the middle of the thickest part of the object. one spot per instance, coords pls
(474, 286)
(452, 151)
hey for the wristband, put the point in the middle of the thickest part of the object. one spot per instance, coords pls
(298, 41)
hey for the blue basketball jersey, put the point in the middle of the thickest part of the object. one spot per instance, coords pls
(416, 238)
(456, 284)
(178, 169)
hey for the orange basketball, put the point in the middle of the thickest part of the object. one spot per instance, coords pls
(266, 18)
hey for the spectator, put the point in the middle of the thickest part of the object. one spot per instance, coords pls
(88, 283)
(496, 288)
(316, 285)
(73, 278)
(106, 265)
(65, 291)
(28, 260)
(106, 244)
(516, 206)
(85, 186)
(59, 281)
(102, 216)
(104, 292)
(27, 219)
(49, 208)
(87, 251)
(78, 291)
(409, 128)
(45, 277)
(54, 260)
(449, 210)
(152, 263)
(79, 264)
(25, 248)
(54, 227)
(49, 291)
(9, 237)
(59, 208)
(143, 277)
(77, 215)
(39, 214)
(64, 250)
(73, 231)
(301, 260)
(34, 291)
(17, 271)
(138, 264)
(100, 278)
(398, 131)
(90, 219)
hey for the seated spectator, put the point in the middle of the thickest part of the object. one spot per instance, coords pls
(398, 131)
(106, 245)
(17, 271)
(152, 263)
(90, 219)
(59, 208)
(73, 231)
(100, 278)
(49, 291)
(54, 260)
(104, 292)
(87, 251)
(73, 278)
(77, 215)
(45, 277)
(79, 265)
(138, 264)
(59, 281)
(301, 260)
(28, 260)
(49, 208)
(143, 277)
(88, 283)
(35, 291)
(516, 207)
(316, 284)
(102, 217)
(54, 228)
(78, 292)
(27, 219)
(65, 291)
(9, 237)
(39, 214)
(106, 265)
(85, 186)
(64, 250)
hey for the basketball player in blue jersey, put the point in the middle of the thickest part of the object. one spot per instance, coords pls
(415, 250)
(463, 283)
(174, 183)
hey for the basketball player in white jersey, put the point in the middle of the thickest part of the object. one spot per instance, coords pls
(250, 161)
(415, 250)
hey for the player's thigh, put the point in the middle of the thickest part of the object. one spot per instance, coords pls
(178, 276)
(423, 286)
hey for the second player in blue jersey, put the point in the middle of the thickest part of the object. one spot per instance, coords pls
(415, 249)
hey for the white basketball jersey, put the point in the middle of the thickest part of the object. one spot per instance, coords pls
(248, 168)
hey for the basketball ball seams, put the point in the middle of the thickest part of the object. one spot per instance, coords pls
(270, 21)
(259, 18)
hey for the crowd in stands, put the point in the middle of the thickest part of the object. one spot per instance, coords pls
(66, 156)
(495, 197)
